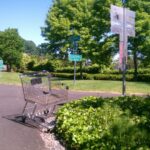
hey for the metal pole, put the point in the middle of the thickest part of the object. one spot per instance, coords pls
(124, 53)
(74, 72)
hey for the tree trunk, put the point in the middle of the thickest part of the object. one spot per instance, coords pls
(8, 68)
(135, 66)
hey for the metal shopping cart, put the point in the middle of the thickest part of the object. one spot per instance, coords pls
(42, 93)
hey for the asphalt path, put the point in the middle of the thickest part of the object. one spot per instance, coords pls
(14, 136)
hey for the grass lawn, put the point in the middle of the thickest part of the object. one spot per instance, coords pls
(87, 85)
(11, 78)
(109, 86)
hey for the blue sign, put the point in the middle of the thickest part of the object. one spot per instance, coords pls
(123, 1)
(1, 65)
(73, 57)
(74, 38)
(1, 61)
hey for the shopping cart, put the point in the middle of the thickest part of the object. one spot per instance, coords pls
(42, 93)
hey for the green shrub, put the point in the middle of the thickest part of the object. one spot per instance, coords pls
(71, 75)
(30, 65)
(115, 77)
(87, 69)
(105, 123)
(66, 70)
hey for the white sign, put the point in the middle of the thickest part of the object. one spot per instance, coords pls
(117, 22)
(130, 22)
(116, 19)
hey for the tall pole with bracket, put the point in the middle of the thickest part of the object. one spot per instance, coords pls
(123, 23)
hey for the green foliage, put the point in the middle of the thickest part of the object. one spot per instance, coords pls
(105, 123)
(25, 62)
(48, 66)
(11, 48)
(141, 43)
(71, 75)
(30, 65)
(88, 19)
(115, 77)
(30, 47)
(98, 73)
(86, 69)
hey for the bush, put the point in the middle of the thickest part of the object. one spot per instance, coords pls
(71, 75)
(87, 69)
(46, 66)
(30, 65)
(105, 123)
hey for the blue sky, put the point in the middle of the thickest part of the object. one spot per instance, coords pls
(25, 15)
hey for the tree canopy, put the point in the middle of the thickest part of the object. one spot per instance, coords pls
(30, 47)
(140, 44)
(90, 19)
(11, 48)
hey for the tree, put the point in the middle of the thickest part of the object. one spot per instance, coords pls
(42, 49)
(88, 19)
(11, 48)
(30, 47)
(141, 42)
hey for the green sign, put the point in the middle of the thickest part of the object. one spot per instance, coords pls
(73, 57)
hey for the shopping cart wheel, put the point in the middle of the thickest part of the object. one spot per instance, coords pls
(46, 112)
(24, 119)
(21, 118)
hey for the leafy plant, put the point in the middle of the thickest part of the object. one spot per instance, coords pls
(105, 123)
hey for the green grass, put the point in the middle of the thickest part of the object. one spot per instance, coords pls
(87, 85)
(109, 86)
(10, 78)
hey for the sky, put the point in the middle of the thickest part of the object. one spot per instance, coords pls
(28, 16)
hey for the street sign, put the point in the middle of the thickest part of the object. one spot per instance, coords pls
(116, 19)
(117, 22)
(130, 22)
(73, 57)
(74, 38)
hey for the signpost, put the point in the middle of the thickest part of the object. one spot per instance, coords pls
(123, 23)
(75, 57)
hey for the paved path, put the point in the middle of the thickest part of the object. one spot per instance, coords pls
(14, 136)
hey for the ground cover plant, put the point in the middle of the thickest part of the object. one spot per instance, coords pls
(105, 123)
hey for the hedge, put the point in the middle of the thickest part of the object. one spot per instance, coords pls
(105, 123)
(117, 77)
(88, 69)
